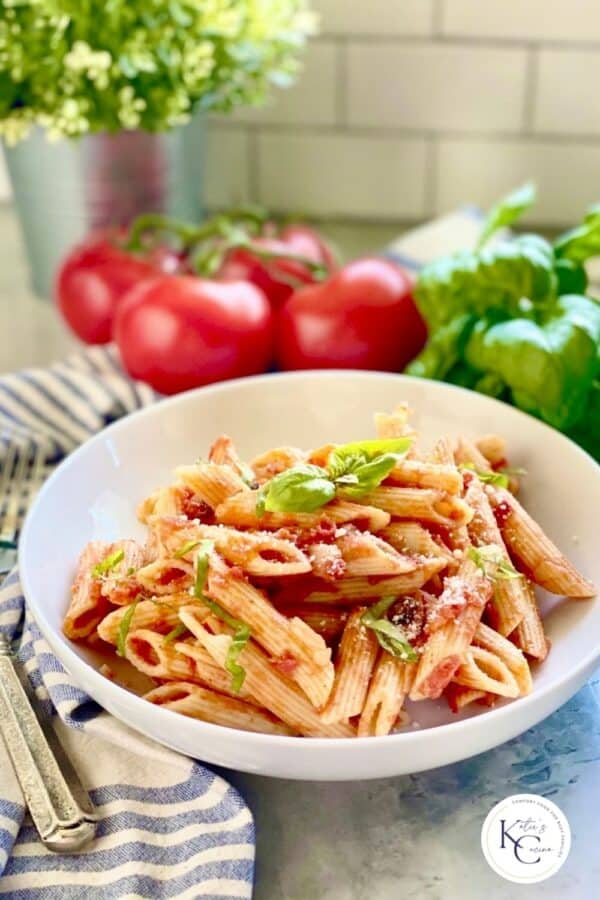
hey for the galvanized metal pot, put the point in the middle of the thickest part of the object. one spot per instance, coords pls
(63, 190)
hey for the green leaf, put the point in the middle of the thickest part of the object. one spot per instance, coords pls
(241, 631)
(497, 478)
(361, 466)
(572, 278)
(493, 563)
(368, 476)
(443, 350)
(185, 548)
(175, 633)
(302, 488)
(550, 367)
(496, 278)
(369, 449)
(108, 563)
(124, 627)
(583, 242)
(390, 636)
(507, 211)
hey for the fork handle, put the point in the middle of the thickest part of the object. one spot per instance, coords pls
(59, 806)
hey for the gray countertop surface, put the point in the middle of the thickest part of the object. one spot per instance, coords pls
(396, 838)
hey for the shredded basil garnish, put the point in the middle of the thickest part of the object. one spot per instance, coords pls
(185, 548)
(241, 631)
(124, 627)
(493, 563)
(108, 563)
(390, 636)
(175, 633)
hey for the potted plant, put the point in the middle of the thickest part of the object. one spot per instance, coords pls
(102, 103)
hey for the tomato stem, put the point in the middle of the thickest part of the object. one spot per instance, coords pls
(188, 233)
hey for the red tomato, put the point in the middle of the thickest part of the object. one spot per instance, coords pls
(94, 278)
(180, 332)
(362, 317)
(278, 278)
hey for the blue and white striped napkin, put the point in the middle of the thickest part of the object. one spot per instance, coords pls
(168, 827)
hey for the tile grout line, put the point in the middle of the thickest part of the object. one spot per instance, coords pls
(341, 83)
(253, 164)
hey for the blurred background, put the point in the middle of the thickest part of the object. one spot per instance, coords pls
(407, 108)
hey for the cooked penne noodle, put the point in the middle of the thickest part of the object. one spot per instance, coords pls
(493, 447)
(459, 696)
(161, 615)
(390, 684)
(258, 553)
(354, 664)
(240, 511)
(533, 549)
(368, 554)
(282, 638)
(415, 473)
(529, 634)
(262, 681)
(271, 463)
(422, 504)
(287, 602)
(445, 648)
(349, 591)
(206, 670)
(505, 650)
(200, 703)
(508, 600)
(210, 482)
(152, 655)
(413, 538)
(483, 670)
(87, 605)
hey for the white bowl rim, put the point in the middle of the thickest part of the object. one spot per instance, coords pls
(259, 739)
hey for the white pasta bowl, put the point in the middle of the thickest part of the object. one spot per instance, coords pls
(94, 493)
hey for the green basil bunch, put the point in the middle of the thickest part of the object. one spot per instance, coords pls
(512, 320)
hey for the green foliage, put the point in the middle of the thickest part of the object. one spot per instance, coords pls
(78, 66)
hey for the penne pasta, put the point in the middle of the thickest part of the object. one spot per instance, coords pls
(240, 511)
(353, 667)
(445, 648)
(210, 482)
(389, 686)
(285, 639)
(423, 504)
(309, 595)
(508, 599)
(533, 549)
(262, 681)
(200, 703)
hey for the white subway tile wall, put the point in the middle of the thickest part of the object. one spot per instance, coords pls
(407, 108)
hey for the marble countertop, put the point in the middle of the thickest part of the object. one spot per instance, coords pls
(396, 838)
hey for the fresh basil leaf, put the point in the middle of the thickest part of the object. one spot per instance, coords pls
(493, 563)
(124, 627)
(549, 368)
(175, 633)
(507, 211)
(130, 571)
(572, 278)
(369, 475)
(498, 478)
(369, 449)
(241, 631)
(185, 548)
(389, 636)
(443, 350)
(495, 278)
(108, 563)
(582, 242)
(303, 488)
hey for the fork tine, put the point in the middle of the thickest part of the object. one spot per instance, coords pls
(12, 512)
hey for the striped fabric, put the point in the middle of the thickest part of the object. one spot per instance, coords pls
(168, 827)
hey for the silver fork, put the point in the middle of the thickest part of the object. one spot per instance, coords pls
(59, 806)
